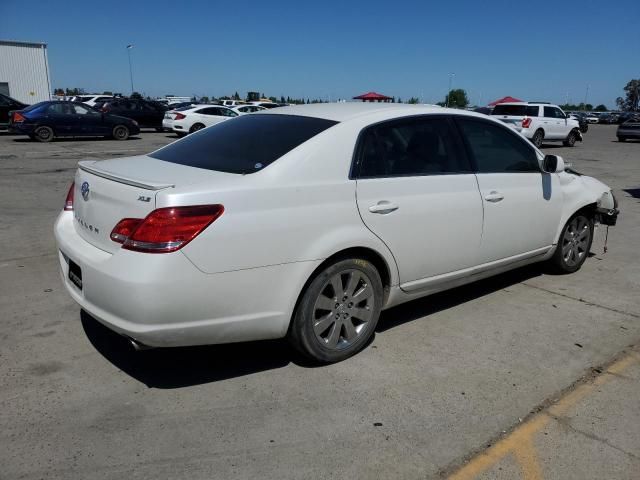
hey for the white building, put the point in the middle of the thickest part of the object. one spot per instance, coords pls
(24, 71)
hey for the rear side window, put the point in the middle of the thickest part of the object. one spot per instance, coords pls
(245, 144)
(410, 147)
(496, 149)
(515, 110)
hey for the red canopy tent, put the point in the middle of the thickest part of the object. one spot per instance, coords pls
(504, 100)
(373, 97)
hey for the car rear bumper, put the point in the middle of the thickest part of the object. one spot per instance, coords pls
(167, 124)
(163, 300)
(21, 128)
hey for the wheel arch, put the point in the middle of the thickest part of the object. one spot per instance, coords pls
(366, 253)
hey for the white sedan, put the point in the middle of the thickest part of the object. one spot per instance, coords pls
(198, 117)
(307, 221)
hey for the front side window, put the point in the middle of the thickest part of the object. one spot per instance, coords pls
(496, 149)
(60, 108)
(82, 110)
(410, 147)
(246, 145)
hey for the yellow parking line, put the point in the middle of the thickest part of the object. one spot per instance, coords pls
(519, 443)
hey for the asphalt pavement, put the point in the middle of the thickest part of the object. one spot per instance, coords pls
(524, 375)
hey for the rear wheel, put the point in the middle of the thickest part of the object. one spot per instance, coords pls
(538, 137)
(120, 132)
(574, 244)
(571, 139)
(43, 134)
(338, 311)
(195, 127)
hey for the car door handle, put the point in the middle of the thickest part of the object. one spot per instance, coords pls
(383, 207)
(494, 197)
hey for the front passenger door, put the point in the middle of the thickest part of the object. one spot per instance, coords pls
(521, 204)
(416, 191)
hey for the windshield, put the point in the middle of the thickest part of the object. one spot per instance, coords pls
(245, 144)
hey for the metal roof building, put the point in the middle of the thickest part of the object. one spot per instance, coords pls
(24, 71)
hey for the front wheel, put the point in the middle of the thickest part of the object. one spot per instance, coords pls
(570, 140)
(574, 244)
(120, 132)
(537, 138)
(338, 311)
(43, 134)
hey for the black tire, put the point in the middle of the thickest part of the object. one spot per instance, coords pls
(571, 139)
(538, 137)
(570, 244)
(43, 134)
(195, 127)
(622, 139)
(120, 132)
(358, 279)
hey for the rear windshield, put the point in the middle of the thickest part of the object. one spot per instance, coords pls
(245, 144)
(35, 106)
(516, 110)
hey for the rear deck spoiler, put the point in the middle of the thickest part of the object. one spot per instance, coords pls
(89, 166)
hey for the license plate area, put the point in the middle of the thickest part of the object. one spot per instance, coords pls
(75, 274)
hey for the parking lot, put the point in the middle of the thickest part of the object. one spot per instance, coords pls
(525, 375)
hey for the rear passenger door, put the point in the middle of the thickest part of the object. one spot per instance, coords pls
(416, 191)
(521, 204)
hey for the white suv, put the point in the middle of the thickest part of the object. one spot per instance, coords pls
(539, 122)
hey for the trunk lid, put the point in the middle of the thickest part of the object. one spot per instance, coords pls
(108, 191)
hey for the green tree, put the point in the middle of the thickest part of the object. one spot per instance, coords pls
(58, 91)
(107, 93)
(399, 100)
(631, 100)
(204, 99)
(457, 98)
(413, 101)
(601, 108)
(273, 99)
(236, 96)
(282, 99)
(136, 95)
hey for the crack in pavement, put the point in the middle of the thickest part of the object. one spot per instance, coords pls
(566, 422)
(582, 300)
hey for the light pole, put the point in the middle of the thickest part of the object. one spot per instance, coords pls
(451, 75)
(129, 47)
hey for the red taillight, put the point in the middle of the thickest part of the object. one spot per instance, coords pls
(179, 116)
(166, 229)
(124, 229)
(68, 203)
(18, 117)
(526, 122)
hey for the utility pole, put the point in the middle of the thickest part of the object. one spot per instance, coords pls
(451, 75)
(129, 47)
(584, 105)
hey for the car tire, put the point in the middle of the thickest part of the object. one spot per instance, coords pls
(43, 134)
(537, 138)
(622, 139)
(574, 244)
(195, 127)
(571, 139)
(120, 132)
(338, 311)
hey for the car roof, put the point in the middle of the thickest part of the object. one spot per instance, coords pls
(341, 112)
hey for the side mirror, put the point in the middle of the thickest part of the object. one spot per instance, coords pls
(552, 164)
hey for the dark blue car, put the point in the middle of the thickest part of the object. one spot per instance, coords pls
(46, 120)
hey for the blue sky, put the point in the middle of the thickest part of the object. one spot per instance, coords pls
(542, 50)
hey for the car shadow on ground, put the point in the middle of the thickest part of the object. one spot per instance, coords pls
(168, 368)
(634, 192)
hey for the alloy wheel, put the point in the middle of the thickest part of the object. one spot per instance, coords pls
(575, 242)
(343, 310)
